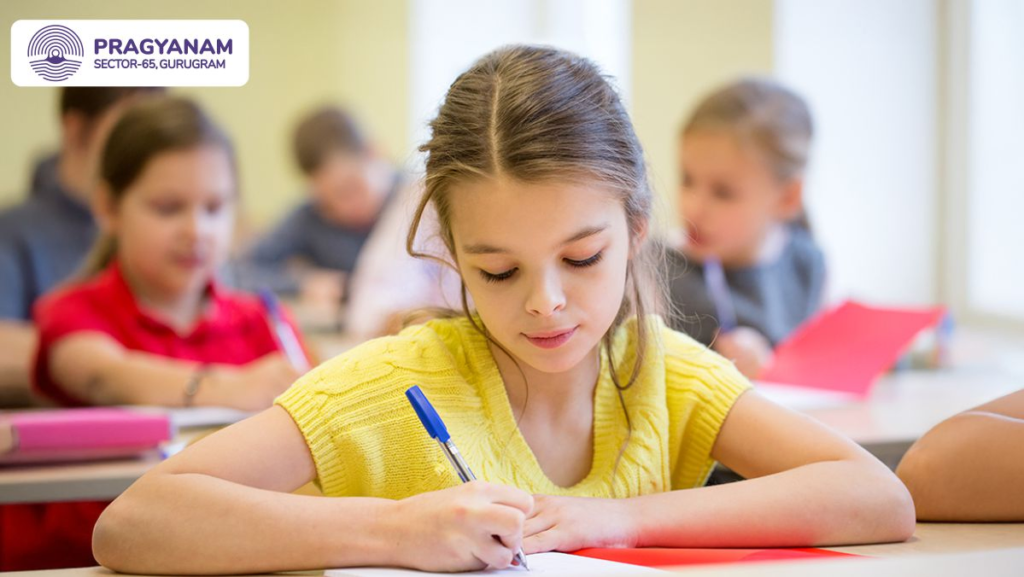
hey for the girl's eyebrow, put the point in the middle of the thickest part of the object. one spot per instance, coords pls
(489, 249)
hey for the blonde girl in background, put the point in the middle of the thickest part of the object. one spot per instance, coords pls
(747, 270)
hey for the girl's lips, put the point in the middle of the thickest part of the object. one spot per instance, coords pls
(189, 261)
(551, 339)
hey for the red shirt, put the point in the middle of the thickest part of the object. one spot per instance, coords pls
(233, 329)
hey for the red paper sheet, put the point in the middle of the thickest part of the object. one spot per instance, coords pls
(659, 557)
(847, 348)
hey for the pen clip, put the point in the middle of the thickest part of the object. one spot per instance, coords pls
(428, 416)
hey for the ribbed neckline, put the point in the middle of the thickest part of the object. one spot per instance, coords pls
(607, 419)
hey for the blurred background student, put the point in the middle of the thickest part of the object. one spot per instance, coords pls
(147, 323)
(44, 239)
(312, 250)
(746, 270)
(390, 288)
(166, 203)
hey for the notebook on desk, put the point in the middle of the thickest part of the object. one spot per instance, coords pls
(80, 434)
(540, 563)
(612, 562)
(846, 348)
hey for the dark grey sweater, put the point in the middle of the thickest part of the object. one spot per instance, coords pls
(43, 241)
(772, 297)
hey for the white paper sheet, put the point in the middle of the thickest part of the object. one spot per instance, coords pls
(540, 564)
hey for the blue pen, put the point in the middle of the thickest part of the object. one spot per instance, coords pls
(435, 428)
(718, 289)
(286, 337)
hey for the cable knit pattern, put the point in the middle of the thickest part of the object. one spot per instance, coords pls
(367, 441)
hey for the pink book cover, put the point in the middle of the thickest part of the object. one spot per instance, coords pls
(75, 434)
(845, 349)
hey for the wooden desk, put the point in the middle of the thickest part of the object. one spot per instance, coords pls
(1001, 563)
(937, 549)
(903, 406)
(948, 538)
(101, 480)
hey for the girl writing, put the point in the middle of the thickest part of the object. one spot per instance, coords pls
(588, 421)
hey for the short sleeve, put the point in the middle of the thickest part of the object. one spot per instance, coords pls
(701, 389)
(341, 406)
(58, 316)
(65, 312)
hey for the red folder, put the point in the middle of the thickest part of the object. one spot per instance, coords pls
(661, 557)
(80, 434)
(848, 347)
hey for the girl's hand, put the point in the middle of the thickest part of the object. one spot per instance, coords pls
(748, 349)
(573, 523)
(474, 526)
(252, 387)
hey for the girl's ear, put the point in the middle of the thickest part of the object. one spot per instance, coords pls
(104, 208)
(791, 203)
(638, 238)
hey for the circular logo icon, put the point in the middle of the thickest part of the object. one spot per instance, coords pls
(50, 51)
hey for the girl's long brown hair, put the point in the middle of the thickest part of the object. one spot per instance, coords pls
(539, 114)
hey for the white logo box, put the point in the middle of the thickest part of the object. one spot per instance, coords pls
(130, 53)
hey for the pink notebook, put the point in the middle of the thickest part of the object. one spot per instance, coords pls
(845, 349)
(80, 434)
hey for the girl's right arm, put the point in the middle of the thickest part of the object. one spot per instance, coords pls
(222, 506)
(99, 370)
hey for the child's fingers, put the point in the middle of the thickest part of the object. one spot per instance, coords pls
(506, 523)
(537, 524)
(540, 542)
(508, 496)
(493, 553)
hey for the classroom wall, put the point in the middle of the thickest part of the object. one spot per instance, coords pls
(869, 70)
(682, 49)
(361, 53)
(302, 54)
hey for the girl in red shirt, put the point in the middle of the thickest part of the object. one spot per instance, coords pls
(148, 323)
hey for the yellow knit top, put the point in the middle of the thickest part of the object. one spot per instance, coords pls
(366, 440)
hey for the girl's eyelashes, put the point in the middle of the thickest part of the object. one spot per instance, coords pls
(165, 208)
(215, 207)
(586, 262)
(497, 277)
(501, 276)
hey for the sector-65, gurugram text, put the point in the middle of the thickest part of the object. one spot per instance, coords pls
(161, 46)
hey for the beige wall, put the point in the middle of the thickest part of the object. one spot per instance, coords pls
(356, 52)
(302, 54)
(681, 50)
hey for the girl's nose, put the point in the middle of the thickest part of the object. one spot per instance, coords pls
(546, 295)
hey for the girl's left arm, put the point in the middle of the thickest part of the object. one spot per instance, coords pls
(806, 486)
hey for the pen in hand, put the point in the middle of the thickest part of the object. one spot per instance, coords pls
(439, 432)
